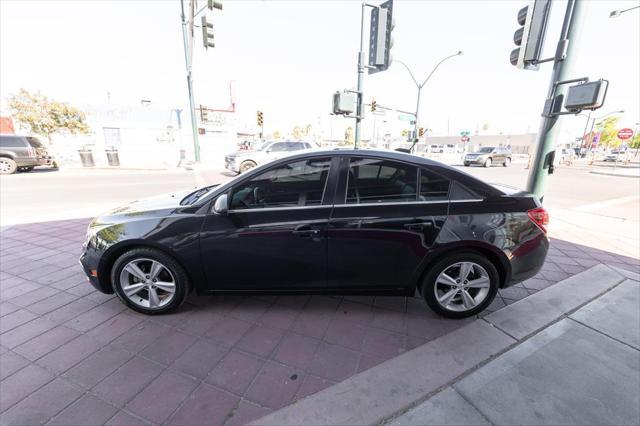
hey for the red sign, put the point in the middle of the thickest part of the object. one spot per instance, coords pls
(624, 134)
(465, 139)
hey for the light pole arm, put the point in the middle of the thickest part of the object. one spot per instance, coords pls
(409, 70)
(436, 67)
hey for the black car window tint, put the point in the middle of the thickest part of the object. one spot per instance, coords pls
(380, 181)
(461, 192)
(433, 187)
(296, 184)
(278, 147)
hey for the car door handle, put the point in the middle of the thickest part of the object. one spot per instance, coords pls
(305, 231)
(417, 226)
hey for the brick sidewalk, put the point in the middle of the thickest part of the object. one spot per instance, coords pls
(70, 355)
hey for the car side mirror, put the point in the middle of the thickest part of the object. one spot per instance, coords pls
(221, 206)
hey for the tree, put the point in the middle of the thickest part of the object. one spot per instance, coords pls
(45, 117)
(608, 129)
(348, 135)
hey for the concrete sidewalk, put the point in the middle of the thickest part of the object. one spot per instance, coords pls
(570, 354)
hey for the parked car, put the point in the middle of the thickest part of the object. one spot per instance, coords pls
(243, 160)
(615, 155)
(331, 222)
(21, 153)
(487, 156)
(436, 149)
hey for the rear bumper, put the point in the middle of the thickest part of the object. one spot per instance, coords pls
(527, 259)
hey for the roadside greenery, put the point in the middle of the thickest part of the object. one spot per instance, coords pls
(42, 116)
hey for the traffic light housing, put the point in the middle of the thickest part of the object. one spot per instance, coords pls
(421, 132)
(204, 116)
(207, 35)
(529, 37)
(214, 4)
(374, 105)
(260, 118)
(380, 37)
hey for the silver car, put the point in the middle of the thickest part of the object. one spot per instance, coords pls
(241, 161)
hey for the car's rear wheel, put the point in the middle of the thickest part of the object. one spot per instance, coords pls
(149, 281)
(7, 166)
(247, 165)
(507, 162)
(461, 285)
(487, 162)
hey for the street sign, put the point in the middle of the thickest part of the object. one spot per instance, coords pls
(465, 139)
(624, 134)
(406, 117)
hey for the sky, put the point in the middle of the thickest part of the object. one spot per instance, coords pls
(287, 58)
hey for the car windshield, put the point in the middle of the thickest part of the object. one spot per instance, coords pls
(486, 150)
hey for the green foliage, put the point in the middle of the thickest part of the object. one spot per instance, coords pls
(348, 135)
(608, 129)
(635, 142)
(42, 116)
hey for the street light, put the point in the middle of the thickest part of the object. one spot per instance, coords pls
(420, 86)
(616, 13)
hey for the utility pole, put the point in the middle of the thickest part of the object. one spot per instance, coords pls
(359, 109)
(550, 129)
(187, 42)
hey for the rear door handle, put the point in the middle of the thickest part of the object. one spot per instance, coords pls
(417, 226)
(305, 231)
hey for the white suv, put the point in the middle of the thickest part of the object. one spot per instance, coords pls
(241, 161)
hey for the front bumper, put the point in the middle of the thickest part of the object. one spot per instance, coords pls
(89, 260)
(230, 164)
(475, 160)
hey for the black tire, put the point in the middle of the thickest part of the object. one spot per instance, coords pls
(488, 162)
(466, 164)
(7, 166)
(180, 277)
(429, 283)
(507, 162)
(247, 165)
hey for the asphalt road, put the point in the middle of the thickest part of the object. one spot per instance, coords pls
(53, 195)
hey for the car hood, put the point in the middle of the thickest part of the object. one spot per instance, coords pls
(150, 205)
(245, 153)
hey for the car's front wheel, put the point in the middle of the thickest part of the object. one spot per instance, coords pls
(466, 164)
(460, 285)
(487, 162)
(247, 165)
(507, 162)
(149, 281)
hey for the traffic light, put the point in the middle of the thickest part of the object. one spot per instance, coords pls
(214, 4)
(204, 114)
(374, 105)
(380, 37)
(421, 132)
(260, 119)
(207, 36)
(530, 36)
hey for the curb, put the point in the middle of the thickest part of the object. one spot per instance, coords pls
(594, 172)
(395, 386)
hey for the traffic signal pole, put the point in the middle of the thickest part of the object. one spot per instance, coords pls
(359, 89)
(550, 128)
(187, 60)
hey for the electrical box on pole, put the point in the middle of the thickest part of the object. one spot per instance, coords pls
(381, 37)
(586, 96)
(214, 4)
(207, 35)
(344, 103)
(530, 36)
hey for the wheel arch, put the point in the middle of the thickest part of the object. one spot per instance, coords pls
(110, 256)
(494, 255)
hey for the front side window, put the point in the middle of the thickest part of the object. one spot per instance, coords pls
(433, 187)
(297, 184)
(278, 147)
(380, 181)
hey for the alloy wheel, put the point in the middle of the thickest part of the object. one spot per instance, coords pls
(5, 166)
(147, 283)
(462, 286)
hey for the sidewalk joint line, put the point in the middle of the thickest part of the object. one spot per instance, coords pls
(604, 334)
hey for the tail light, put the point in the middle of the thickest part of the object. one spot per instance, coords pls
(540, 217)
(31, 152)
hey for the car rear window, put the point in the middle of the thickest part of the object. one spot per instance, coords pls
(12, 142)
(380, 181)
(34, 142)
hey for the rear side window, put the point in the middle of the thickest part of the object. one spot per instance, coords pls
(11, 142)
(433, 187)
(460, 192)
(34, 142)
(278, 147)
(380, 181)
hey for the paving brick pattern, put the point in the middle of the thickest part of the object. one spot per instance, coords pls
(72, 356)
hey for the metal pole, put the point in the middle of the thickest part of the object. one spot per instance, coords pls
(192, 105)
(358, 136)
(415, 126)
(550, 127)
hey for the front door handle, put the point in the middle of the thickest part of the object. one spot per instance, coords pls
(417, 226)
(305, 231)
